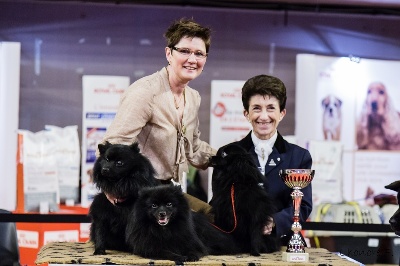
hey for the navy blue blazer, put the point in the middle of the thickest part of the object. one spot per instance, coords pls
(284, 156)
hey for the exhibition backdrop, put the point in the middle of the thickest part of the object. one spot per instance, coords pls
(356, 102)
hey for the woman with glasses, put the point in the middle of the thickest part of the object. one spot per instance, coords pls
(160, 111)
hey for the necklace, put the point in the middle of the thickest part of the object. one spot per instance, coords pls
(176, 102)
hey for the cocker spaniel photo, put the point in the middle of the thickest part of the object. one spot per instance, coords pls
(378, 125)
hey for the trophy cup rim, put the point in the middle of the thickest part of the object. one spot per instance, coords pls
(297, 170)
(289, 178)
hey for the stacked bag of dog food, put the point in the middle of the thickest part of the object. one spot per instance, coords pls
(48, 168)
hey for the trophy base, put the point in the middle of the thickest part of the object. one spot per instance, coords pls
(294, 257)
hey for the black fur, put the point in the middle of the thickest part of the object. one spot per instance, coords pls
(395, 219)
(253, 206)
(216, 241)
(161, 226)
(120, 171)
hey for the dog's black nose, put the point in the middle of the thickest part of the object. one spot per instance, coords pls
(374, 106)
(105, 170)
(162, 214)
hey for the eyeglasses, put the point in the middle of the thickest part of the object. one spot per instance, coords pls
(187, 52)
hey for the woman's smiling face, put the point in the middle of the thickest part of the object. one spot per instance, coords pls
(186, 68)
(264, 115)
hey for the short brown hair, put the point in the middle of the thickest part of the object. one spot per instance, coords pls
(187, 28)
(264, 85)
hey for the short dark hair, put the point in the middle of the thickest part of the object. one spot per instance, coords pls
(187, 28)
(264, 85)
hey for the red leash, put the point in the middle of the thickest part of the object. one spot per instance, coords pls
(233, 209)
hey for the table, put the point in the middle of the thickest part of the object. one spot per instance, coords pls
(76, 253)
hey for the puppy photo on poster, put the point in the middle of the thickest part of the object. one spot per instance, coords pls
(331, 117)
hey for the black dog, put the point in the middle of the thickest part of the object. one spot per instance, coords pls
(161, 226)
(395, 219)
(120, 171)
(240, 204)
(216, 241)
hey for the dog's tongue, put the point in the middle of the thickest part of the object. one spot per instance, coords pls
(163, 221)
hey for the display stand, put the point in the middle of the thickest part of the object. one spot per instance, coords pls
(33, 236)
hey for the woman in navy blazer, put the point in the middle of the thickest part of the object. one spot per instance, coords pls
(264, 100)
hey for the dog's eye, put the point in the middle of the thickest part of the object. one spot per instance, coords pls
(154, 206)
(106, 158)
(119, 163)
(169, 204)
(381, 92)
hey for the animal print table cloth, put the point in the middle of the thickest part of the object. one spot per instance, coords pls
(82, 253)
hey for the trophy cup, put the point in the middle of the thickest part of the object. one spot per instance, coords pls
(296, 179)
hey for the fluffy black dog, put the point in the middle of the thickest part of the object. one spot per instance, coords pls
(395, 219)
(240, 204)
(120, 172)
(161, 226)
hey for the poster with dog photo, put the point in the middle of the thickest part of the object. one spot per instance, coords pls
(355, 103)
(377, 128)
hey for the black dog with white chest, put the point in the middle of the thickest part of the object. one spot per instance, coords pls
(119, 172)
(395, 219)
(240, 203)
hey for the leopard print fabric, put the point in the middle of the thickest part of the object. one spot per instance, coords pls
(82, 253)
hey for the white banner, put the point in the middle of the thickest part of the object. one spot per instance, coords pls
(10, 54)
(101, 95)
(227, 121)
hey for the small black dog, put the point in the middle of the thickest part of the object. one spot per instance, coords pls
(161, 226)
(120, 172)
(240, 203)
(395, 219)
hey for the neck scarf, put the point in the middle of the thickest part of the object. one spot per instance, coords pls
(263, 149)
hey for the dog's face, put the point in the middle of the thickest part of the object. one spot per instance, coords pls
(121, 170)
(233, 164)
(395, 219)
(332, 106)
(163, 204)
(376, 99)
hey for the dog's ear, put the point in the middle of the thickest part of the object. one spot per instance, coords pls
(176, 190)
(233, 149)
(135, 147)
(104, 147)
(225, 153)
(395, 186)
(217, 161)
(324, 102)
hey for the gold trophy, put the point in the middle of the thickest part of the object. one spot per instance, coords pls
(296, 179)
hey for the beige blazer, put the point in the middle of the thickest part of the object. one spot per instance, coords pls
(147, 114)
